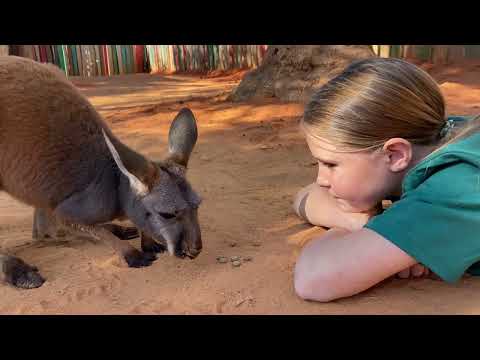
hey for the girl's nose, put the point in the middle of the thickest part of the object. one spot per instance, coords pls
(323, 181)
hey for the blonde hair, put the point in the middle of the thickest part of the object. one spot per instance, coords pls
(377, 99)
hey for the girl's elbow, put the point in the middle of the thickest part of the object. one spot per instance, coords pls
(321, 289)
(302, 289)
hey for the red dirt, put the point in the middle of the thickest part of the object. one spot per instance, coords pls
(249, 162)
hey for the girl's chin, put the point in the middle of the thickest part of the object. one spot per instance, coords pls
(347, 207)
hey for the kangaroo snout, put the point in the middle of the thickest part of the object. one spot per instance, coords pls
(194, 252)
(189, 247)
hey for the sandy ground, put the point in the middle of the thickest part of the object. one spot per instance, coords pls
(249, 161)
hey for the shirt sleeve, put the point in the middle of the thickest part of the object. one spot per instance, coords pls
(436, 226)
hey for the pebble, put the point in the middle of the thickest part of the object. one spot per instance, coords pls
(236, 263)
(235, 258)
(247, 258)
(256, 243)
(222, 259)
(232, 244)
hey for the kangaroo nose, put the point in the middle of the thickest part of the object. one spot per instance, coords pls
(194, 252)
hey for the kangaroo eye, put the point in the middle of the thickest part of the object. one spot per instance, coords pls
(166, 215)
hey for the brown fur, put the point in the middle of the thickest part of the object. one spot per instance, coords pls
(59, 156)
(48, 106)
(51, 146)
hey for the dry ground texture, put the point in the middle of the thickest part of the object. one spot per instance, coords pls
(249, 161)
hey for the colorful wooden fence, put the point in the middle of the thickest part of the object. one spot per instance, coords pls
(433, 53)
(88, 60)
(108, 60)
(203, 58)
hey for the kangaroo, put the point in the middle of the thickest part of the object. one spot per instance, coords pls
(58, 155)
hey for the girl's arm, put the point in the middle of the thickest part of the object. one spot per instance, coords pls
(314, 204)
(341, 263)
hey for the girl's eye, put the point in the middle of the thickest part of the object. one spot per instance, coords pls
(166, 215)
(328, 165)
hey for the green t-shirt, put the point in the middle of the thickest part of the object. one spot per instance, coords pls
(437, 219)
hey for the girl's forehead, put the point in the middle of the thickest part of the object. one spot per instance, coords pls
(321, 145)
(324, 150)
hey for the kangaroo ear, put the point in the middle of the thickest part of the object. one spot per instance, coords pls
(182, 137)
(137, 186)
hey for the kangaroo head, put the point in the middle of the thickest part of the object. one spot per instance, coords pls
(160, 201)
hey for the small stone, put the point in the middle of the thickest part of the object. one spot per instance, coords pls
(232, 243)
(235, 258)
(222, 259)
(256, 243)
(236, 263)
(264, 147)
(247, 258)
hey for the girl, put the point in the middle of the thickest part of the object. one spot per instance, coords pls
(379, 131)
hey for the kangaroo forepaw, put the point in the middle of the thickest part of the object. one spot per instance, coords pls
(20, 274)
(139, 259)
(153, 247)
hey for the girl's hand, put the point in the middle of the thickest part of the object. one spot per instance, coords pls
(358, 220)
(415, 271)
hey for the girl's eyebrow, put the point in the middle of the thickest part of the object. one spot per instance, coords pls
(325, 161)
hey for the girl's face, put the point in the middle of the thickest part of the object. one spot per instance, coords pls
(358, 180)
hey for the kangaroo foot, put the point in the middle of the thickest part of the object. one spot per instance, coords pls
(18, 273)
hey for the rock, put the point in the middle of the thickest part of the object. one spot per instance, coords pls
(232, 243)
(293, 72)
(235, 258)
(236, 263)
(264, 147)
(256, 243)
(247, 258)
(222, 259)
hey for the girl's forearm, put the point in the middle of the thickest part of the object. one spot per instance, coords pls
(315, 205)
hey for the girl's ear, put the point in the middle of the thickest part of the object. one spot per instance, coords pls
(398, 154)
